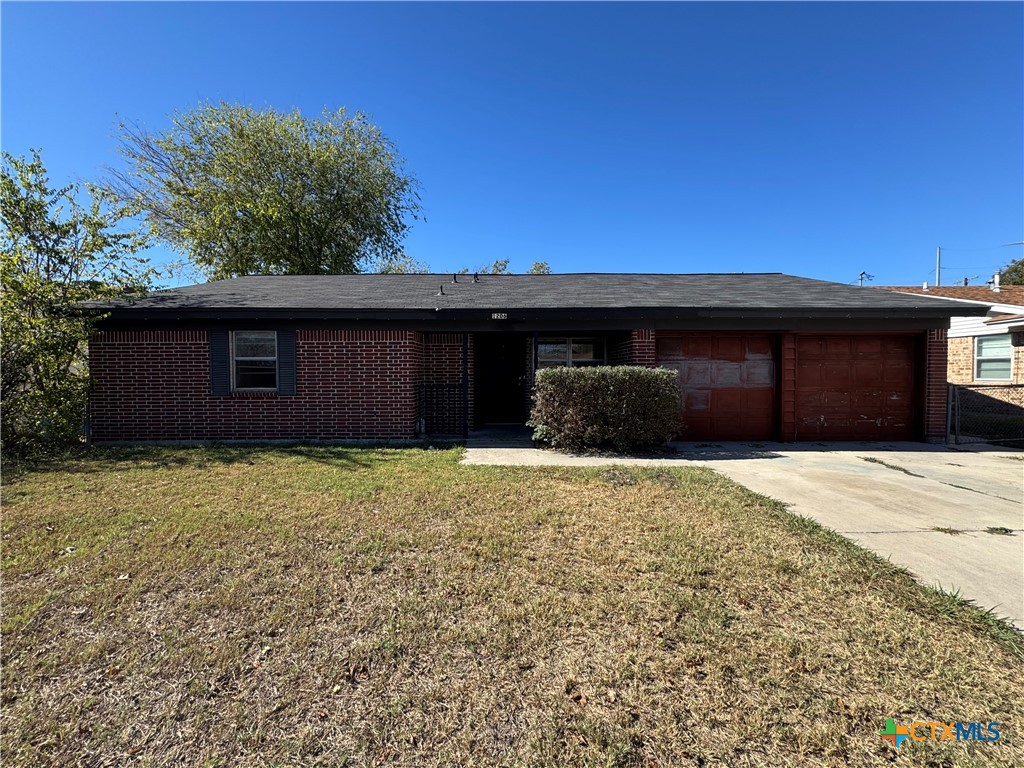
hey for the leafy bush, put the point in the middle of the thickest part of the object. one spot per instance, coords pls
(55, 252)
(623, 408)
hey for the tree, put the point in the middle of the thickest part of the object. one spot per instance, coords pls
(245, 191)
(500, 267)
(403, 264)
(55, 252)
(1012, 273)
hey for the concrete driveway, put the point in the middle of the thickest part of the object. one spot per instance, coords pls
(892, 498)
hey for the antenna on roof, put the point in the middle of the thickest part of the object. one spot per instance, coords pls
(865, 276)
(967, 280)
(440, 291)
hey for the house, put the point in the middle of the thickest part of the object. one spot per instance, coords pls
(759, 356)
(983, 349)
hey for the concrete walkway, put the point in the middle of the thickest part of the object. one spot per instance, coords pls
(888, 497)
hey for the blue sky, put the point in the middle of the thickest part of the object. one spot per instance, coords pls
(814, 139)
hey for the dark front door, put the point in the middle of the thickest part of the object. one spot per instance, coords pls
(501, 361)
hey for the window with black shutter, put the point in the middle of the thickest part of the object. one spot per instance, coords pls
(253, 360)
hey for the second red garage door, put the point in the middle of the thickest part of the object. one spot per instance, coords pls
(855, 387)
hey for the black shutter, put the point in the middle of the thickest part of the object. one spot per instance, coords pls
(220, 376)
(286, 363)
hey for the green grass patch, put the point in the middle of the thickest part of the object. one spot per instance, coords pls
(325, 606)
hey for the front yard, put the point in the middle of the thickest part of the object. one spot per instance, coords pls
(336, 606)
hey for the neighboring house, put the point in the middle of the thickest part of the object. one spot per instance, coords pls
(760, 356)
(983, 349)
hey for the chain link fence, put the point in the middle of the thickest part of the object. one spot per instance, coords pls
(986, 414)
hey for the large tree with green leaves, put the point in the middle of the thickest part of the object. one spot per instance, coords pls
(56, 252)
(245, 191)
(1012, 273)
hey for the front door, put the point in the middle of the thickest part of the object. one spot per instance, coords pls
(501, 378)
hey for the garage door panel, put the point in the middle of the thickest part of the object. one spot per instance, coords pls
(697, 347)
(809, 373)
(835, 373)
(809, 347)
(727, 381)
(867, 346)
(726, 374)
(760, 372)
(730, 348)
(869, 400)
(761, 400)
(668, 347)
(856, 387)
(697, 374)
(867, 373)
(837, 346)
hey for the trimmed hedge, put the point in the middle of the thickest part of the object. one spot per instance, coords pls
(623, 408)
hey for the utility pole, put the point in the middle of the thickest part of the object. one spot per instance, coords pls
(938, 266)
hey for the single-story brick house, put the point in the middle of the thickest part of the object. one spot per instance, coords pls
(760, 356)
(984, 349)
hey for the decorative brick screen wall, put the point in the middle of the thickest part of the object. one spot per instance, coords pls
(936, 389)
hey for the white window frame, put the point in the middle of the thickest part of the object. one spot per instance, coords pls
(978, 357)
(234, 369)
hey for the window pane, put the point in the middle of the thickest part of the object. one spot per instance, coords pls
(551, 364)
(586, 349)
(548, 349)
(255, 374)
(994, 369)
(255, 344)
(994, 346)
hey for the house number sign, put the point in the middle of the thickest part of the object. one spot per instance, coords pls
(499, 315)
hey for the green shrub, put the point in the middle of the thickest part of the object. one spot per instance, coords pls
(622, 408)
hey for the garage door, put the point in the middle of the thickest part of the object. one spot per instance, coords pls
(855, 387)
(727, 381)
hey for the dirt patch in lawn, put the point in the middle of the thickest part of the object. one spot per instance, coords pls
(333, 606)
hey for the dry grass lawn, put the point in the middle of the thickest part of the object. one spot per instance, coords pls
(316, 606)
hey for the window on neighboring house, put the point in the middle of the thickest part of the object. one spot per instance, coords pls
(993, 358)
(569, 351)
(254, 359)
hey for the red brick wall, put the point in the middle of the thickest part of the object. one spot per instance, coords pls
(155, 385)
(643, 351)
(935, 387)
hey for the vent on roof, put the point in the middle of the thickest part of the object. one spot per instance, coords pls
(440, 291)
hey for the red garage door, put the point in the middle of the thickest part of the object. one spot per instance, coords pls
(855, 387)
(727, 381)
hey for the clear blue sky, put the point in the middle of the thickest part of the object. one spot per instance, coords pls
(814, 139)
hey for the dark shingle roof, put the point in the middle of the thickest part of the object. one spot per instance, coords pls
(769, 291)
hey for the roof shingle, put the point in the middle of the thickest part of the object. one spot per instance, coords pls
(767, 291)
